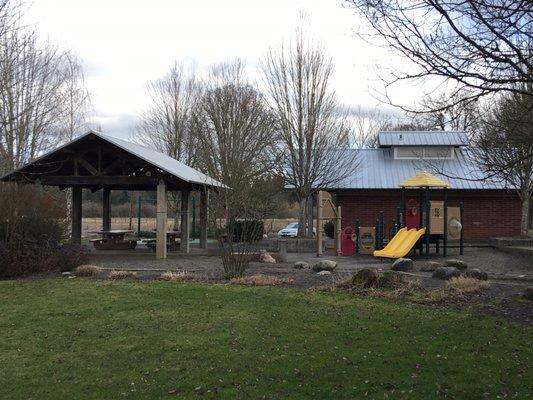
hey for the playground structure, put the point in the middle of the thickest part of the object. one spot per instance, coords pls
(326, 210)
(417, 224)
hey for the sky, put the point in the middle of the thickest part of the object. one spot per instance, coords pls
(124, 44)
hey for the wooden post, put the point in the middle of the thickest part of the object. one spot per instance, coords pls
(338, 233)
(76, 215)
(106, 210)
(204, 199)
(185, 197)
(428, 227)
(161, 221)
(445, 230)
(320, 210)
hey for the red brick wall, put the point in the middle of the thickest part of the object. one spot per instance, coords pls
(486, 213)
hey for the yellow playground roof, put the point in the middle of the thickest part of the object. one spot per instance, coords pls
(425, 179)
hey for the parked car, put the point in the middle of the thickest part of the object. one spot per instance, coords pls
(291, 230)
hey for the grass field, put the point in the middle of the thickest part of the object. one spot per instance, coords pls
(95, 339)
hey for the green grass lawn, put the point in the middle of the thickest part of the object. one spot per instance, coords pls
(90, 339)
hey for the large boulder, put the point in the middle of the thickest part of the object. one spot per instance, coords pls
(453, 262)
(446, 273)
(476, 274)
(402, 264)
(324, 265)
(430, 266)
(528, 293)
(365, 277)
(389, 280)
(301, 265)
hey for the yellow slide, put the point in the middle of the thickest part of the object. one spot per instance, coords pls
(401, 243)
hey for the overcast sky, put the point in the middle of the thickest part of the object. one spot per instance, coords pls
(126, 43)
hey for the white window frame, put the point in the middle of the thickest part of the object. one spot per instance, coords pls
(396, 157)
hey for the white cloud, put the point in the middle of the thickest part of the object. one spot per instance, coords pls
(126, 43)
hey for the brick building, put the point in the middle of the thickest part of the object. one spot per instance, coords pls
(490, 208)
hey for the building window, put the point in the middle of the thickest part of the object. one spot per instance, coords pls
(413, 152)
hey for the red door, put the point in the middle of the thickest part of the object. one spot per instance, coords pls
(412, 214)
(347, 241)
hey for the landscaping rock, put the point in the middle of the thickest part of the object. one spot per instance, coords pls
(325, 265)
(265, 257)
(446, 273)
(528, 293)
(402, 264)
(324, 273)
(430, 266)
(365, 277)
(453, 262)
(476, 274)
(301, 265)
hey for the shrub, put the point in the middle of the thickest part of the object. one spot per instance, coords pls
(179, 276)
(245, 231)
(67, 257)
(146, 234)
(329, 229)
(120, 274)
(465, 285)
(20, 258)
(87, 270)
(261, 280)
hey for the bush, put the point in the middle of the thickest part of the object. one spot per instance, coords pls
(245, 231)
(146, 234)
(87, 270)
(67, 257)
(329, 229)
(121, 275)
(178, 276)
(32, 226)
(261, 280)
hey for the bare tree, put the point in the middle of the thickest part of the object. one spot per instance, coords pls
(366, 123)
(34, 79)
(314, 133)
(444, 111)
(237, 147)
(168, 124)
(75, 99)
(507, 134)
(482, 46)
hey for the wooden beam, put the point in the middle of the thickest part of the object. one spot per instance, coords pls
(204, 201)
(185, 220)
(161, 221)
(106, 209)
(85, 164)
(76, 215)
(99, 180)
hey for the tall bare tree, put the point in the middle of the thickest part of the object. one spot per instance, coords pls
(504, 146)
(314, 134)
(168, 124)
(34, 80)
(237, 147)
(76, 99)
(482, 46)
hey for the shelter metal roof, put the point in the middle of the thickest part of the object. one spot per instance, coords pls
(378, 169)
(422, 138)
(157, 159)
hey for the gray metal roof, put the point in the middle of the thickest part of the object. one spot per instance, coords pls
(377, 169)
(162, 161)
(157, 159)
(422, 138)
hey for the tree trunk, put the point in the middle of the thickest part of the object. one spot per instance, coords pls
(301, 217)
(524, 221)
(309, 216)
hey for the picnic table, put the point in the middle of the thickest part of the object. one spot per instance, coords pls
(113, 240)
(173, 241)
